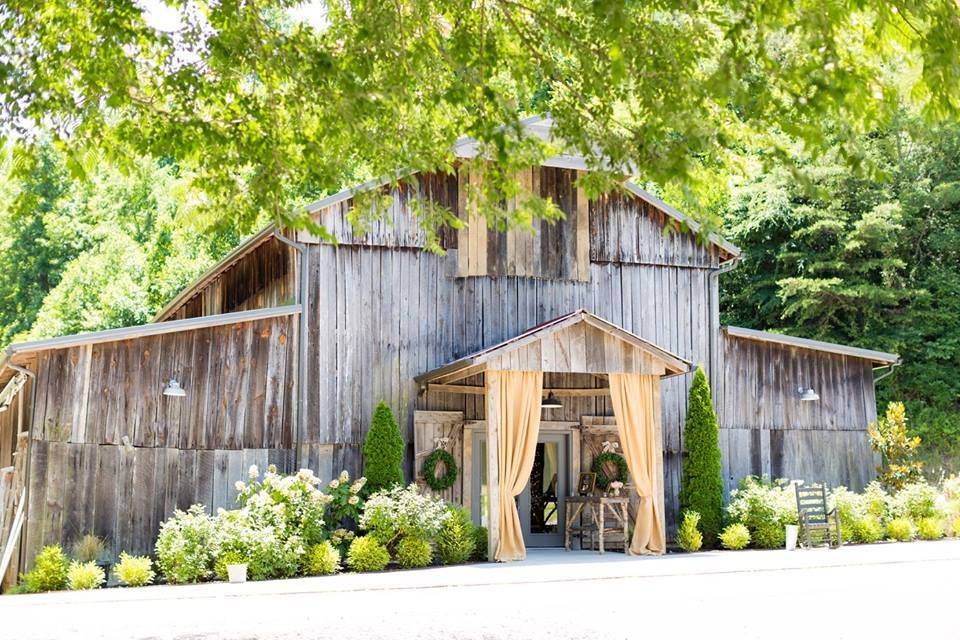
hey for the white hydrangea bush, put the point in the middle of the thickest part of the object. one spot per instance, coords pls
(393, 514)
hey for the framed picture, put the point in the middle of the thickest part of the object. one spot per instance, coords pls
(586, 484)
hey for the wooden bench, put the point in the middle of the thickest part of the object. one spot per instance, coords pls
(814, 515)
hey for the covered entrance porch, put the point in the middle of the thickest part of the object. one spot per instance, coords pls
(518, 462)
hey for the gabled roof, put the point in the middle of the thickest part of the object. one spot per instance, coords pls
(672, 363)
(213, 272)
(539, 126)
(877, 357)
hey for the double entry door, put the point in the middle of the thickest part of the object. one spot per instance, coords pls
(542, 504)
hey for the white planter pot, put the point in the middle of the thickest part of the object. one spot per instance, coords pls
(792, 532)
(237, 572)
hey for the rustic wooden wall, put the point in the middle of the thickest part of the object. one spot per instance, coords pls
(768, 430)
(111, 455)
(380, 316)
(266, 277)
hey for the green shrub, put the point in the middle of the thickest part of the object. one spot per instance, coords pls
(293, 506)
(688, 535)
(456, 540)
(134, 571)
(49, 571)
(701, 486)
(187, 546)
(413, 553)
(367, 554)
(84, 575)
(900, 529)
(930, 528)
(876, 501)
(866, 529)
(955, 527)
(402, 513)
(224, 560)
(321, 560)
(89, 548)
(916, 501)
(765, 508)
(735, 536)
(256, 537)
(346, 499)
(383, 451)
(480, 543)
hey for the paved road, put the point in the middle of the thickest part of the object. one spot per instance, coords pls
(883, 591)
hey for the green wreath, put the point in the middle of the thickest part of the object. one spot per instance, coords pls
(429, 470)
(603, 480)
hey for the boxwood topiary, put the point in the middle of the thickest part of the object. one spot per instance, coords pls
(383, 451)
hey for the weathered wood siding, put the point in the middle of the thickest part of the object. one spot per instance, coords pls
(111, 455)
(766, 429)
(266, 277)
(380, 316)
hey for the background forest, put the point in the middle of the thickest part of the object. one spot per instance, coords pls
(860, 246)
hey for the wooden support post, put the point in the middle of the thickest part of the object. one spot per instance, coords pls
(493, 466)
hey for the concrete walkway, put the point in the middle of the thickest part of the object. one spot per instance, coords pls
(278, 608)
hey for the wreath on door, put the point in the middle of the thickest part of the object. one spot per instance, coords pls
(599, 463)
(429, 470)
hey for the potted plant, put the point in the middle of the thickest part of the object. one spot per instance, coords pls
(237, 572)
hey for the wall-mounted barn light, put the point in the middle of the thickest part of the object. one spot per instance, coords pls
(174, 390)
(807, 394)
(550, 402)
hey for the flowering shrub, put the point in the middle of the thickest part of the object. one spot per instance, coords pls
(341, 539)
(402, 512)
(955, 527)
(187, 545)
(134, 571)
(291, 505)
(765, 508)
(916, 501)
(84, 575)
(367, 554)
(735, 536)
(346, 502)
(257, 544)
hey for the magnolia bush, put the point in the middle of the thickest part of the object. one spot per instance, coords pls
(396, 513)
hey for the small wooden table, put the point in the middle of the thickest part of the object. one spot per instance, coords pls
(598, 507)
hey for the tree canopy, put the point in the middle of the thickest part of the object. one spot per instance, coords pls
(266, 106)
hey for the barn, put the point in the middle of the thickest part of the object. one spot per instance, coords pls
(280, 352)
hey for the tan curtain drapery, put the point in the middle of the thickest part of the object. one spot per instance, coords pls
(518, 395)
(636, 406)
